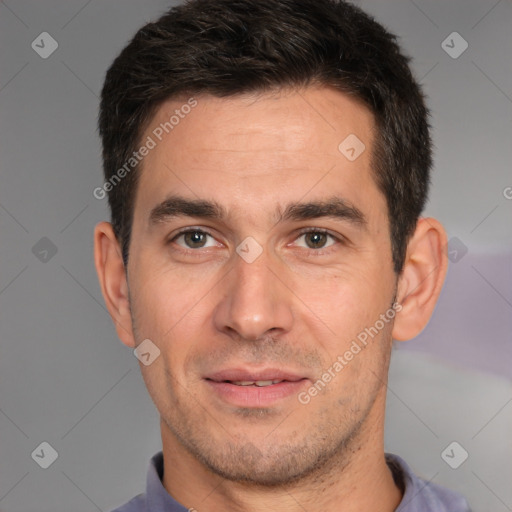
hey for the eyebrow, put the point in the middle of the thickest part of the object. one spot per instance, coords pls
(335, 207)
(176, 206)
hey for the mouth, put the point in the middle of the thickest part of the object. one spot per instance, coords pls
(258, 383)
(255, 389)
(260, 378)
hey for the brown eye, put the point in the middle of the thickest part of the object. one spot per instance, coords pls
(315, 239)
(194, 239)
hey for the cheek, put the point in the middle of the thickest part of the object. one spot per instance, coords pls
(164, 296)
(340, 312)
(342, 298)
(174, 310)
(359, 369)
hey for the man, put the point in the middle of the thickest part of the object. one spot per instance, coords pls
(266, 165)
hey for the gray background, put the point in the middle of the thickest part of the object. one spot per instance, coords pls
(67, 380)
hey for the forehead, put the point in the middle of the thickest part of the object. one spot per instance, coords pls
(260, 150)
(306, 122)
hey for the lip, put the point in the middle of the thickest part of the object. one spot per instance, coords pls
(221, 383)
(237, 374)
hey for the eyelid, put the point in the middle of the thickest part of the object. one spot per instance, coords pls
(336, 236)
(339, 239)
(172, 238)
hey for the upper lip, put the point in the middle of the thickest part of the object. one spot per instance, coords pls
(238, 374)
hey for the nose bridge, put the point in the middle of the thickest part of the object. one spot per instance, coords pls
(254, 280)
(254, 300)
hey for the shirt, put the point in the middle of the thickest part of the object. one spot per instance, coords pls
(418, 495)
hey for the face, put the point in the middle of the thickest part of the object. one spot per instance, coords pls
(259, 255)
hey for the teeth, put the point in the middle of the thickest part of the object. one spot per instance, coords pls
(263, 383)
(259, 383)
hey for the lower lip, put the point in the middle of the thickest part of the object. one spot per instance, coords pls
(255, 396)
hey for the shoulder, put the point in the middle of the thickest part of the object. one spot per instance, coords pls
(421, 495)
(136, 504)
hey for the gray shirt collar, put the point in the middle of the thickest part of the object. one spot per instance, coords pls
(419, 495)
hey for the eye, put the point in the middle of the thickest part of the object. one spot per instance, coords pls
(194, 239)
(316, 239)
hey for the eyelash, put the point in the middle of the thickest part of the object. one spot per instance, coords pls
(320, 252)
(316, 252)
(189, 252)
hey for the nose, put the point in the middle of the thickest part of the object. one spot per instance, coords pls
(255, 302)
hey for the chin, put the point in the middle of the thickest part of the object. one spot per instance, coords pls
(275, 467)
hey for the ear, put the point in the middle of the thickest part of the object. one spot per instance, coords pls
(421, 279)
(112, 277)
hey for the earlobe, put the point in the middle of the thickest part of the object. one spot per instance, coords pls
(113, 282)
(422, 278)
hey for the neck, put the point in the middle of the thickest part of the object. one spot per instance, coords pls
(357, 478)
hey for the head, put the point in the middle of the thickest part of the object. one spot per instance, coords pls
(227, 48)
(272, 218)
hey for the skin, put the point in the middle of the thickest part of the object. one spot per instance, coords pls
(298, 305)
